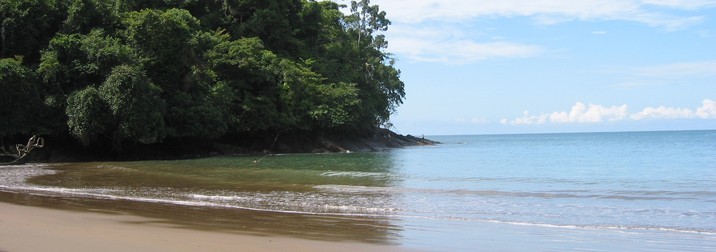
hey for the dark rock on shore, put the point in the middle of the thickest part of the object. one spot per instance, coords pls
(382, 139)
(66, 150)
(377, 140)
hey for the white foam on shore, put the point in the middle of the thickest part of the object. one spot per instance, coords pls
(608, 227)
(219, 201)
(355, 174)
(330, 200)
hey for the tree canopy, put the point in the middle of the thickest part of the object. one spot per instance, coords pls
(140, 72)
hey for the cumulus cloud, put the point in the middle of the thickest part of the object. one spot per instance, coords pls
(593, 113)
(662, 112)
(579, 113)
(582, 113)
(707, 110)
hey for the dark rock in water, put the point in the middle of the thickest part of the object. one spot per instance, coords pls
(382, 139)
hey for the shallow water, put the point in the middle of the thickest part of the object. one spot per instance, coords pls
(591, 191)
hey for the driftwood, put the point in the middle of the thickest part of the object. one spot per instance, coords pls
(20, 151)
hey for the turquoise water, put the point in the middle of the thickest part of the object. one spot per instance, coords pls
(587, 191)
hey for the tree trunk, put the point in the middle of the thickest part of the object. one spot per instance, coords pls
(20, 151)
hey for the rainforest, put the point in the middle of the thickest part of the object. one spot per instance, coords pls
(118, 74)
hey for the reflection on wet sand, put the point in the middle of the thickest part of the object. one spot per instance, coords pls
(279, 197)
(305, 226)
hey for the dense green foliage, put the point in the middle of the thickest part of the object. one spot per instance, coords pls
(126, 72)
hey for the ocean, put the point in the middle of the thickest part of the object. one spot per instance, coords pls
(626, 191)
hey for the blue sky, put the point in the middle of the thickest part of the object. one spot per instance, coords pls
(528, 66)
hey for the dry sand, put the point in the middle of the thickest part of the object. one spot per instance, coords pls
(24, 228)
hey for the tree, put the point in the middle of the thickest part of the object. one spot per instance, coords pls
(74, 61)
(356, 55)
(365, 19)
(142, 71)
(26, 26)
(269, 92)
(382, 88)
(173, 49)
(163, 41)
(86, 15)
(244, 66)
(275, 22)
(135, 106)
(19, 99)
(335, 105)
(88, 115)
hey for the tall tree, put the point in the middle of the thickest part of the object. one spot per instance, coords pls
(74, 61)
(88, 116)
(163, 41)
(86, 15)
(134, 103)
(20, 99)
(27, 25)
(381, 88)
(173, 49)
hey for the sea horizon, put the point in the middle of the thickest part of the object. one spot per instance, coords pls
(561, 132)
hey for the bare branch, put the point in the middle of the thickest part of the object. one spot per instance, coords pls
(21, 150)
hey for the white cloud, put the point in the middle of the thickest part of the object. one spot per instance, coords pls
(457, 10)
(599, 32)
(458, 51)
(592, 113)
(450, 45)
(432, 30)
(579, 113)
(547, 11)
(682, 4)
(527, 119)
(662, 112)
(707, 110)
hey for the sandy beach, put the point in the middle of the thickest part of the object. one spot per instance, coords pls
(24, 228)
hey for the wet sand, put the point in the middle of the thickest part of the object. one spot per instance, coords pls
(27, 228)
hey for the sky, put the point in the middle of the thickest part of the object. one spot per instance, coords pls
(543, 66)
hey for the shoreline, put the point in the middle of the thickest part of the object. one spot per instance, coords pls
(435, 199)
(31, 228)
(68, 150)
